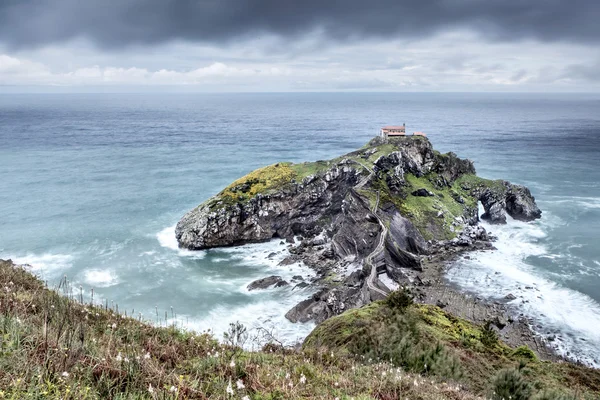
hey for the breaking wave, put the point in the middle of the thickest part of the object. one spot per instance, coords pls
(566, 319)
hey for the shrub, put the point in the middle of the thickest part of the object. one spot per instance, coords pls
(399, 341)
(236, 335)
(400, 299)
(524, 352)
(488, 337)
(553, 395)
(510, 384)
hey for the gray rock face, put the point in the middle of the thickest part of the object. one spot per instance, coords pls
(520, 204)
(327, 303)
(515, 200)
(267, 282)
(293, 211)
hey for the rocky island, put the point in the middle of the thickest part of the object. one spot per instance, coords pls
(387, 215)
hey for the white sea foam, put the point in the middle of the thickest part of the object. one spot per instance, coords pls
(167, 239)
(264, 308)
(569, 315)
(268, 315)
(266, 258)
(100, 277)
(47, 263)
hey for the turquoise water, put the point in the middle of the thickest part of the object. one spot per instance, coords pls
(91, 186)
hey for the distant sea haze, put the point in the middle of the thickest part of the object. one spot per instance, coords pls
(93, 184)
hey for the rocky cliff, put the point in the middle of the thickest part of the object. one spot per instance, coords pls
(374, 211)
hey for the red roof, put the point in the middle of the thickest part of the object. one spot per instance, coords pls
(394, 127)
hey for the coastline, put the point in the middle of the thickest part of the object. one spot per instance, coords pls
(431, 286)
(394, 208)
(513, 329)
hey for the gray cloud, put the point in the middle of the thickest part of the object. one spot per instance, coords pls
(121, 23)
(584, 72)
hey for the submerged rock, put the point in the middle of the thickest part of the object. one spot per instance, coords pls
(267, 282)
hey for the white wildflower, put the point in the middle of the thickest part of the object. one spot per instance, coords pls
(302, 379)
(240, 384)
(150, 389)
(114, 326)
(119, 357)
(232, 363)
(65, 374)
(172, 389)
(287, 375)
(229, 389)
(336, 384)
(245, 398)
(147, 356)
(415, 383)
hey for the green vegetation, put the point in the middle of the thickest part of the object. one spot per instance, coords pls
(511, 384)
(525, 353)
(489, 337)
(426, 340)
(305, 169)
(400, 299)
(258, 181)
(435, 216)
(58, 347)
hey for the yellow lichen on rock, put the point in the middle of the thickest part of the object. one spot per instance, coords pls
(259, 181)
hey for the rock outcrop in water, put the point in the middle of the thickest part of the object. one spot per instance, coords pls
(374, 211)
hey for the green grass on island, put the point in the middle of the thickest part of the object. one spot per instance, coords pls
(56, 345)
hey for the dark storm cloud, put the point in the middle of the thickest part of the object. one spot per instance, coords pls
(118, 23)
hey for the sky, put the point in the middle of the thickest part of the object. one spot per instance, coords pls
(304, 45)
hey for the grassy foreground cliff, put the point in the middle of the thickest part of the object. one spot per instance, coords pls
(54, 345)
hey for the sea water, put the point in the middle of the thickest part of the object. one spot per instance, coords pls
(91, 186)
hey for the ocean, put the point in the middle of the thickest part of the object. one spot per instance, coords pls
(91, 186)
